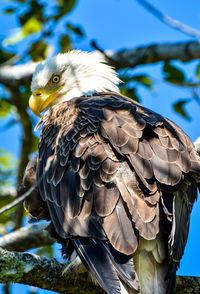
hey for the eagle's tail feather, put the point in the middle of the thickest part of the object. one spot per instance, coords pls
(107, 266)
(125, 267)
(97, 261)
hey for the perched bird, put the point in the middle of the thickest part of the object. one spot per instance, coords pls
(117, 180)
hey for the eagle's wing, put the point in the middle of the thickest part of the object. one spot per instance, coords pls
(114, 172)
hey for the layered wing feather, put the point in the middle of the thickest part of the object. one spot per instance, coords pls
(113, 166)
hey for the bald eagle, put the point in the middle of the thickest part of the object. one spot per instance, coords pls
(117, 180)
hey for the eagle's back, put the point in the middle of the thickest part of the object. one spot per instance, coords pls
(121, 175)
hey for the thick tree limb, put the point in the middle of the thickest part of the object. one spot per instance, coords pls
(25, 238)
(183, 51)
(44, 273)
(187, 285)
(48, 274)
(11, 76)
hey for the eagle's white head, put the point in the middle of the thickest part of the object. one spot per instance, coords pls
(70, 75)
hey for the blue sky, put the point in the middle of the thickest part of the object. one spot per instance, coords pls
(118, 24)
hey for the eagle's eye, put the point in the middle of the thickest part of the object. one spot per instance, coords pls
(55, 79)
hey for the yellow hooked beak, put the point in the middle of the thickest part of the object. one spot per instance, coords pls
(41, 99)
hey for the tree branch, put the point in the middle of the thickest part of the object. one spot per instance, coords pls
(25, 238)
(182, 51)
(168, 20)
(49, 274)
(12, 76)
(44, 273)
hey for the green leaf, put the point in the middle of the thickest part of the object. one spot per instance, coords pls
(64, 7)
(35, 10)
(5, 55)
(179, 107)
(5, 108)
(39, 50)
(198, 71)
(46, 250)
(6, 159)
(131, 93)
(65, 43)
(32, 26)
(144, 80)
(9, 10)
(76, 29)
(173, 74)
(5, 217)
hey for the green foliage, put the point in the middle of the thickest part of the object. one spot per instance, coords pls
(132, 82)
(39, 50)
(198, 71)
(34, 9)
(76, 29)
(65, 43)
(9, 10)
(5, 108)
(5, 55)
(143, 80)
(5, 159)
(46, 250)
(64, 7)
(173, 74)
(180, 108)
(7, 172)
(131, 93)
(7, 168)
(32, 26)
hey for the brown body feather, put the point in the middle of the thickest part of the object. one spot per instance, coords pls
(122, 174)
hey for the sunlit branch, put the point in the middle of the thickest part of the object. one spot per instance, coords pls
(29, 269)
(25, 238)
(168, 20)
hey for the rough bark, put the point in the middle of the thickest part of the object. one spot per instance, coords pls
(187, 285)
(44, 273)
(49, 274)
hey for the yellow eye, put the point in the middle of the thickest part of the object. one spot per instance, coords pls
(55, 79)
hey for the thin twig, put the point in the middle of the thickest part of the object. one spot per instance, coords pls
(27, 193)
(18, 200)
(168, 20)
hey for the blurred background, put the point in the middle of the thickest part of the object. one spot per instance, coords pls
(34, 30)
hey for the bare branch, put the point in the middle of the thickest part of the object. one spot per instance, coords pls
(32, 236)
(17, 201)
(183, 51)
(168, 20)
(49, 274)
(11, 76)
